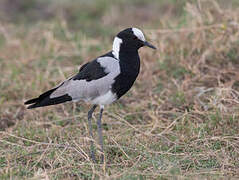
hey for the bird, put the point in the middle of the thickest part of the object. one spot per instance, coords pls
(101, 81)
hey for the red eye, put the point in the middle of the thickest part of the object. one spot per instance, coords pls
(135, 38)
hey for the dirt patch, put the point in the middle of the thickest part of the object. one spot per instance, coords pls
(8, 120)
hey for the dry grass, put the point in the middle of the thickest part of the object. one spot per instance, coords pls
(180, 120)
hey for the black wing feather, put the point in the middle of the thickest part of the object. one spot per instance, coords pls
(42, 96)
(90, 71)
(45, 100)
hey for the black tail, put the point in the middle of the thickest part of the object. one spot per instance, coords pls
(45, 100)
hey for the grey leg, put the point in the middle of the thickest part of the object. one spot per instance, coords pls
(92, 150)
(99, 128)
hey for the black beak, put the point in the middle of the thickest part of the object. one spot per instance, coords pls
(149, 45)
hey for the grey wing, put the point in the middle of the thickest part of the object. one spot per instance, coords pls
(93, 81)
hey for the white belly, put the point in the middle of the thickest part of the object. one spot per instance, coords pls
(105, 99)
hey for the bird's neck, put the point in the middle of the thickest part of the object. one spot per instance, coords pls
(129, 58)
(123, 52)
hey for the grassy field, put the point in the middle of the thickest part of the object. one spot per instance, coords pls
(179, 121)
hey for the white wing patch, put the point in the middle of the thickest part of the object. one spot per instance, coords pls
(137, 32)
(111, 65)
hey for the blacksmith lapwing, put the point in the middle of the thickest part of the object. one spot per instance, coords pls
(101, 81)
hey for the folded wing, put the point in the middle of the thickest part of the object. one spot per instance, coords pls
(93, 80)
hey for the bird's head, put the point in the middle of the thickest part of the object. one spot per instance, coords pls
(130, 39)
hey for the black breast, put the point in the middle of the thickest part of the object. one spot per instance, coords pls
(129, 70)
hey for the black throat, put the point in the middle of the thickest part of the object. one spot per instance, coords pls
(129, 56)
